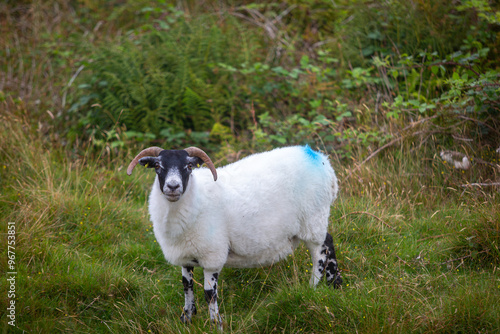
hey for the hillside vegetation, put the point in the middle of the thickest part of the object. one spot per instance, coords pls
(402, 95)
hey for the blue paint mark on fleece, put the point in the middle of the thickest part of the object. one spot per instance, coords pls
(315, 157)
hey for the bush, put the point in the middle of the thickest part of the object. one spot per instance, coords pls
(161, 81)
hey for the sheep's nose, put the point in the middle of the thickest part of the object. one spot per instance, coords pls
(173, 186)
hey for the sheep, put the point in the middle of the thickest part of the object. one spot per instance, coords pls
(251, 213)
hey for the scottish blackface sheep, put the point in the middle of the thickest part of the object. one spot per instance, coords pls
(250, 213)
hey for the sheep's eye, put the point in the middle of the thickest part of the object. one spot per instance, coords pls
(190, 166)
(157, 165)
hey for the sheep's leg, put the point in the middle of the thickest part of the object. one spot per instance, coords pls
(210, 286)
(189, 302)
(332, 269)
(324, 261)
(318, 259)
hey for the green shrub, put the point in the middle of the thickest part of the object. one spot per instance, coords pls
(162, 81)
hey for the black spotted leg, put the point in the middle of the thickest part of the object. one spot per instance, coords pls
(324, 262)
(318, 259)
(210, 286)
(189, 302)
(332, 270)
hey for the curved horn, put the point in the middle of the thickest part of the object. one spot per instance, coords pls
(153, 151)
(196, 152)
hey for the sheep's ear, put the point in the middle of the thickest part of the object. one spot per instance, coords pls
(148, 162)
(195, 161)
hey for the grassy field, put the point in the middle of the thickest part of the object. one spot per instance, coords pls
(416, 256)
(417, 242)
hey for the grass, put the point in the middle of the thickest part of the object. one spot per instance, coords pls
(87, 260)
(419, 252)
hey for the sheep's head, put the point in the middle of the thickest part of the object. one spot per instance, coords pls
(173, 167)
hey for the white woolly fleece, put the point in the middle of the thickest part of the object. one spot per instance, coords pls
(255, 214)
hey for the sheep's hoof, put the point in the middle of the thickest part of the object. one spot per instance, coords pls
(185, 319)
(220, 327)
(188, 314)
(337, 282)
(218, 323)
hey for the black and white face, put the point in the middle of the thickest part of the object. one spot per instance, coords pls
(173, 168)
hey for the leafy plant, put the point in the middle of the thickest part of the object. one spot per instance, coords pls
(159, 82)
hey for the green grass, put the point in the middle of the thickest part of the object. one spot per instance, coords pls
(418, 251)
(87, 260)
